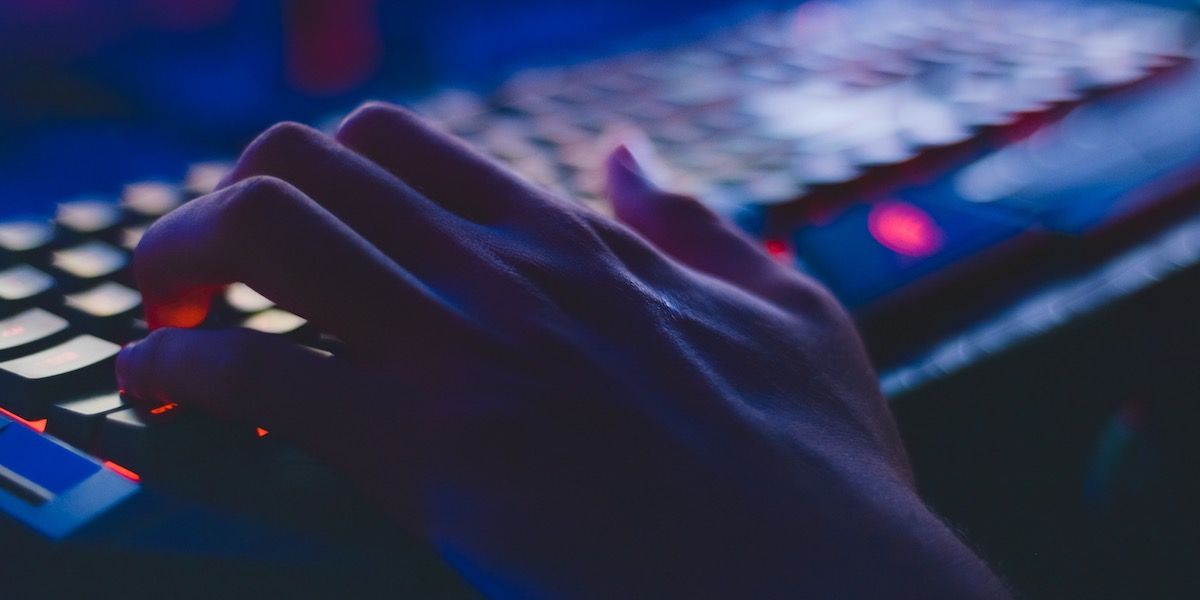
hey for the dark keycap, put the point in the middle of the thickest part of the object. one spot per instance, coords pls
(30, 384)
(78, 422)
(31, 328)
(90, 262)
(22, 286)
(139, 329)
(151, 199)
(152, 440)
(106, 310)
(88, 216)
(128, 436)
(21, 241)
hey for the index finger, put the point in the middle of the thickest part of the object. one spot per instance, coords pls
(267, 234)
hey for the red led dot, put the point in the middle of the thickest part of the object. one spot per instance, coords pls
(776, 248)
(122, 471)
(904, 229)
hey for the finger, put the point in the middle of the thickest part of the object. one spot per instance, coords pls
(687, 230)
(244, 376)
(267, 234)
(438, 164)
(384, 210)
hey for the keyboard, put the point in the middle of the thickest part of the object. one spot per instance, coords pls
(931, 163)
(826, 132)
(67, 303)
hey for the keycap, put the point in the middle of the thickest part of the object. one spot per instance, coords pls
(78, 422)
(29, 328)
(242, 298)
(90, 261)
(151, 199)
(30, 384)
(825, 169)
(105, 310)
(275, 320)
(165, 437)
(203, 177)
(22, 286)
(89, 216)
(125, 435)
(131, 236)
(21, 240)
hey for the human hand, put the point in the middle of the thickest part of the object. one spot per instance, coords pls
(564, 406)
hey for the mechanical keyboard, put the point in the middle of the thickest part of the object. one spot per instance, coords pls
(931, 163)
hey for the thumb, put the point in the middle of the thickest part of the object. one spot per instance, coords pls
(684, 228)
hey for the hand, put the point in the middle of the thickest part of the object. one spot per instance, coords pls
(564, 406)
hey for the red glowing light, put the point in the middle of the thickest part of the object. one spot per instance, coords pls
(164, 408)
(187, 309)
(38, 425)
(778, 249)
(904, 229)
(122, 471)
(261, 432)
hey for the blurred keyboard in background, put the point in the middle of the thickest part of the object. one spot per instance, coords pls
(833, 131)
(932, 163)
(778, 106)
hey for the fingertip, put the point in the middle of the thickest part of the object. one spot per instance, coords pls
(627, 183)
(134, 374)
(369, 117)
(125, 366)
(186, 310)
(622, 160)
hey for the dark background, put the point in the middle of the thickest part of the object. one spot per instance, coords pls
(1076, 478)
(94, 93)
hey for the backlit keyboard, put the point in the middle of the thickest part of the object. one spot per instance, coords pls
(896, 151)
(835, 132)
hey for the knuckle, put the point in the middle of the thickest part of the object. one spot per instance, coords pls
(369, 117)
(250, 204)
(809, 298)
(287, 134)
(275, 149)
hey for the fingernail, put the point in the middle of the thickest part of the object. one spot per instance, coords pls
(637, 156)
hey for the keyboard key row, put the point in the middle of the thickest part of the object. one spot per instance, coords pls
(29, 385)
(89, 262)
(29, 328)
(146, 439)
(22, 286)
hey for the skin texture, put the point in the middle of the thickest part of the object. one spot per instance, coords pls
(563, 405)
